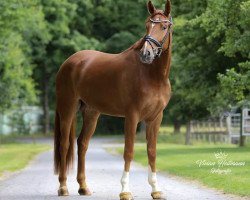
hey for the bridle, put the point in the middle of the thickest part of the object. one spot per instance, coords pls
(159, 45)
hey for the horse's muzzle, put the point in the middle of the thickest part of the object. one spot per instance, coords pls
(146, 57)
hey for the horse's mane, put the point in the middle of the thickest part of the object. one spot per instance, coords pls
(138, 44)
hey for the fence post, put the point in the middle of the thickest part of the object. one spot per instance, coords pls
(228, 125)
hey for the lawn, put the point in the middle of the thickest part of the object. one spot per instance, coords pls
(170, 129)
(14, 157)
(199, 163)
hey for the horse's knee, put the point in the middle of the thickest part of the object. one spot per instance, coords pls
(151, 153)
(82, 148)
(128, 156)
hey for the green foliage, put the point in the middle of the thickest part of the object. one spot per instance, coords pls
(210, 69)
(210, 65)
(192, 68)
(19, 21)
(229, 20)
(119, 41)
(235, 85)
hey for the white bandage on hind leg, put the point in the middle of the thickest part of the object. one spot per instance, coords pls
(152, 180)
(125, 182)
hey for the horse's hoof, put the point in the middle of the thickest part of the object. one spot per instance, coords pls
(158, 195)
(63, 191)
(84, 191)
(126, 196)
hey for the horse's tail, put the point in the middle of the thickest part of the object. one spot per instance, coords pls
(57, 136)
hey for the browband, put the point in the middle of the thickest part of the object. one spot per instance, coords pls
(160, 21)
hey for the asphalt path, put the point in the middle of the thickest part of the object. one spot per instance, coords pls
(104, 171)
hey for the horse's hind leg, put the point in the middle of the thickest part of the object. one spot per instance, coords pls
(90, 117)
(64, 140)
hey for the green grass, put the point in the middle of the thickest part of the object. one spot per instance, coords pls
(181, 160)
(166, 134)
(165, 138)
(16, 138)
(14, 157)
(170, 129)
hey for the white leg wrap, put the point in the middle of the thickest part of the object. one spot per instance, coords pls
(125, 182)
(152, 180)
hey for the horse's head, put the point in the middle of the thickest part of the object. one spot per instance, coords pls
(157, 39)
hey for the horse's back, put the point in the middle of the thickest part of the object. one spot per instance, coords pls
(80, 62)
(95, 78)
(80, 58)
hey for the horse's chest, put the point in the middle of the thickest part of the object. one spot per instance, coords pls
(154, 102)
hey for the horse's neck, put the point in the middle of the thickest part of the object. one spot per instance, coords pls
(160, 68)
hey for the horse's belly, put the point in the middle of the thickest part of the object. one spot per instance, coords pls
(106, 101)
(105, 107)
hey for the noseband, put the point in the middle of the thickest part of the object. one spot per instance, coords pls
(159, 45)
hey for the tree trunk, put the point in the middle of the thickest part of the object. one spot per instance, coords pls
(46, 117)
(177, 126)
(188, 134)
(242, 138)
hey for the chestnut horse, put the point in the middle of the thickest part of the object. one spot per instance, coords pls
(133, 84)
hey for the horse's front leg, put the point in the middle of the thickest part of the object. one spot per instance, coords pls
(152, 128)
(130, 132)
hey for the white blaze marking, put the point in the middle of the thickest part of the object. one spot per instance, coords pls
(146, 44)
(125, 182)
(152, 180)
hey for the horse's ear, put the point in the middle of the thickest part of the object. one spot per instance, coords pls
(151, 8)
(167, 8)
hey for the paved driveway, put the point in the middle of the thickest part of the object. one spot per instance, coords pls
(103, 175)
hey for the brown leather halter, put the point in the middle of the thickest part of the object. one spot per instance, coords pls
(159, 45)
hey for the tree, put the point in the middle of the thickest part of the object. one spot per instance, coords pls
(65, 39)
(20, 20)
(208, 44)
(179, 109)
(235, 83)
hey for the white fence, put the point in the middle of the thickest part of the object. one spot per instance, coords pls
(211, 130)
(246, 122)
(223, 129)
(24, 120)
